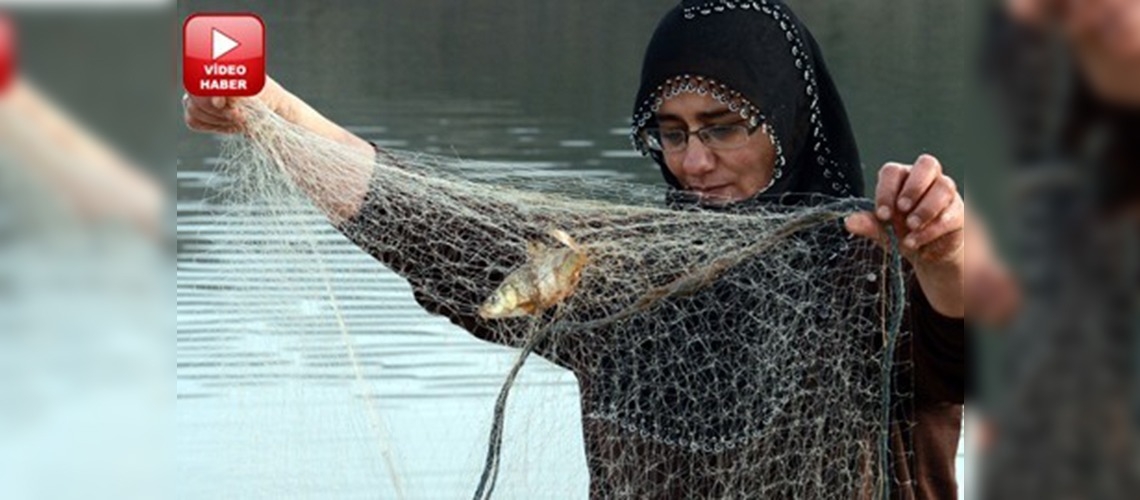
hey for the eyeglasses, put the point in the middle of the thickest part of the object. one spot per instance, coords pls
(720, 137)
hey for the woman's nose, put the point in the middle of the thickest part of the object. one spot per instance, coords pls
(698, 158)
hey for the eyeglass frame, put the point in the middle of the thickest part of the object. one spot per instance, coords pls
(750, 129)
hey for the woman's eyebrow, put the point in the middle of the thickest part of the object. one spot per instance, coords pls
(712, 115)
(704, 116)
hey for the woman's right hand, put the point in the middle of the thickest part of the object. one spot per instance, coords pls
(338, 196)
(220, 114)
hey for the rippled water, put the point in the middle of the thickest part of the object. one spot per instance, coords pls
(271, 403)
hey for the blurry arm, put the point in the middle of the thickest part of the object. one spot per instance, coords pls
(992, 295)
(88, 175)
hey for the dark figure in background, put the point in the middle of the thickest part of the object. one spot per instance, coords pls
(1068, 73)
(1067, 76)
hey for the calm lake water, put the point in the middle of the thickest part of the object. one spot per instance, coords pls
(275, 400)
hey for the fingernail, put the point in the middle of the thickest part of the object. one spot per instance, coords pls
(218, 102)
(910, 242)
(913, 222)
(884, 212)
(904, 204)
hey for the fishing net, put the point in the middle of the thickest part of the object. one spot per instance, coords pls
(714, 353)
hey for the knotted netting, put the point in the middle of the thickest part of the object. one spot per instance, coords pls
(719, 352)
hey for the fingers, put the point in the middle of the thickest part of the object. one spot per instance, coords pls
(932, 203)
(208, 118)
(925, 171)
(202, 126)
(206, 123)
(891, 179)
(211, 114)
(922, 204)
(864, 224)
(950, 221)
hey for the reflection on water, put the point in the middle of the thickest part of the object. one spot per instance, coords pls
(286, 393)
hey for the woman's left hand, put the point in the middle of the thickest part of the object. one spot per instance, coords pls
(928, 214)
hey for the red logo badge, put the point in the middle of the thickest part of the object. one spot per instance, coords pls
(7, 52)
(223, 54)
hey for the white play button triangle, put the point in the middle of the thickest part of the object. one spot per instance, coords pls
(222, 44)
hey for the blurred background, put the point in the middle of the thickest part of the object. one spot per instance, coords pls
(87, 123)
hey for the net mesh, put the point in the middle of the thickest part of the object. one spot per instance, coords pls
(717, 353)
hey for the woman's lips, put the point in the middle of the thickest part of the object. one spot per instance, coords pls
(718, 192)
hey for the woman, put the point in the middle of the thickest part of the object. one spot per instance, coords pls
(769, 66)
(738, 109)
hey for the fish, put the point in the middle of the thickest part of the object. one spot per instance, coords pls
(549, 276)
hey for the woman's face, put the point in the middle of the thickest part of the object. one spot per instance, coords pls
(719, 176)
(1110, 28)
(1104, 35)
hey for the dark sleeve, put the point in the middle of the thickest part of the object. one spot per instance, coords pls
(453, 259)
(939, 351)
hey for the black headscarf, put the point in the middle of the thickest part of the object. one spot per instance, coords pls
(761, 52)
